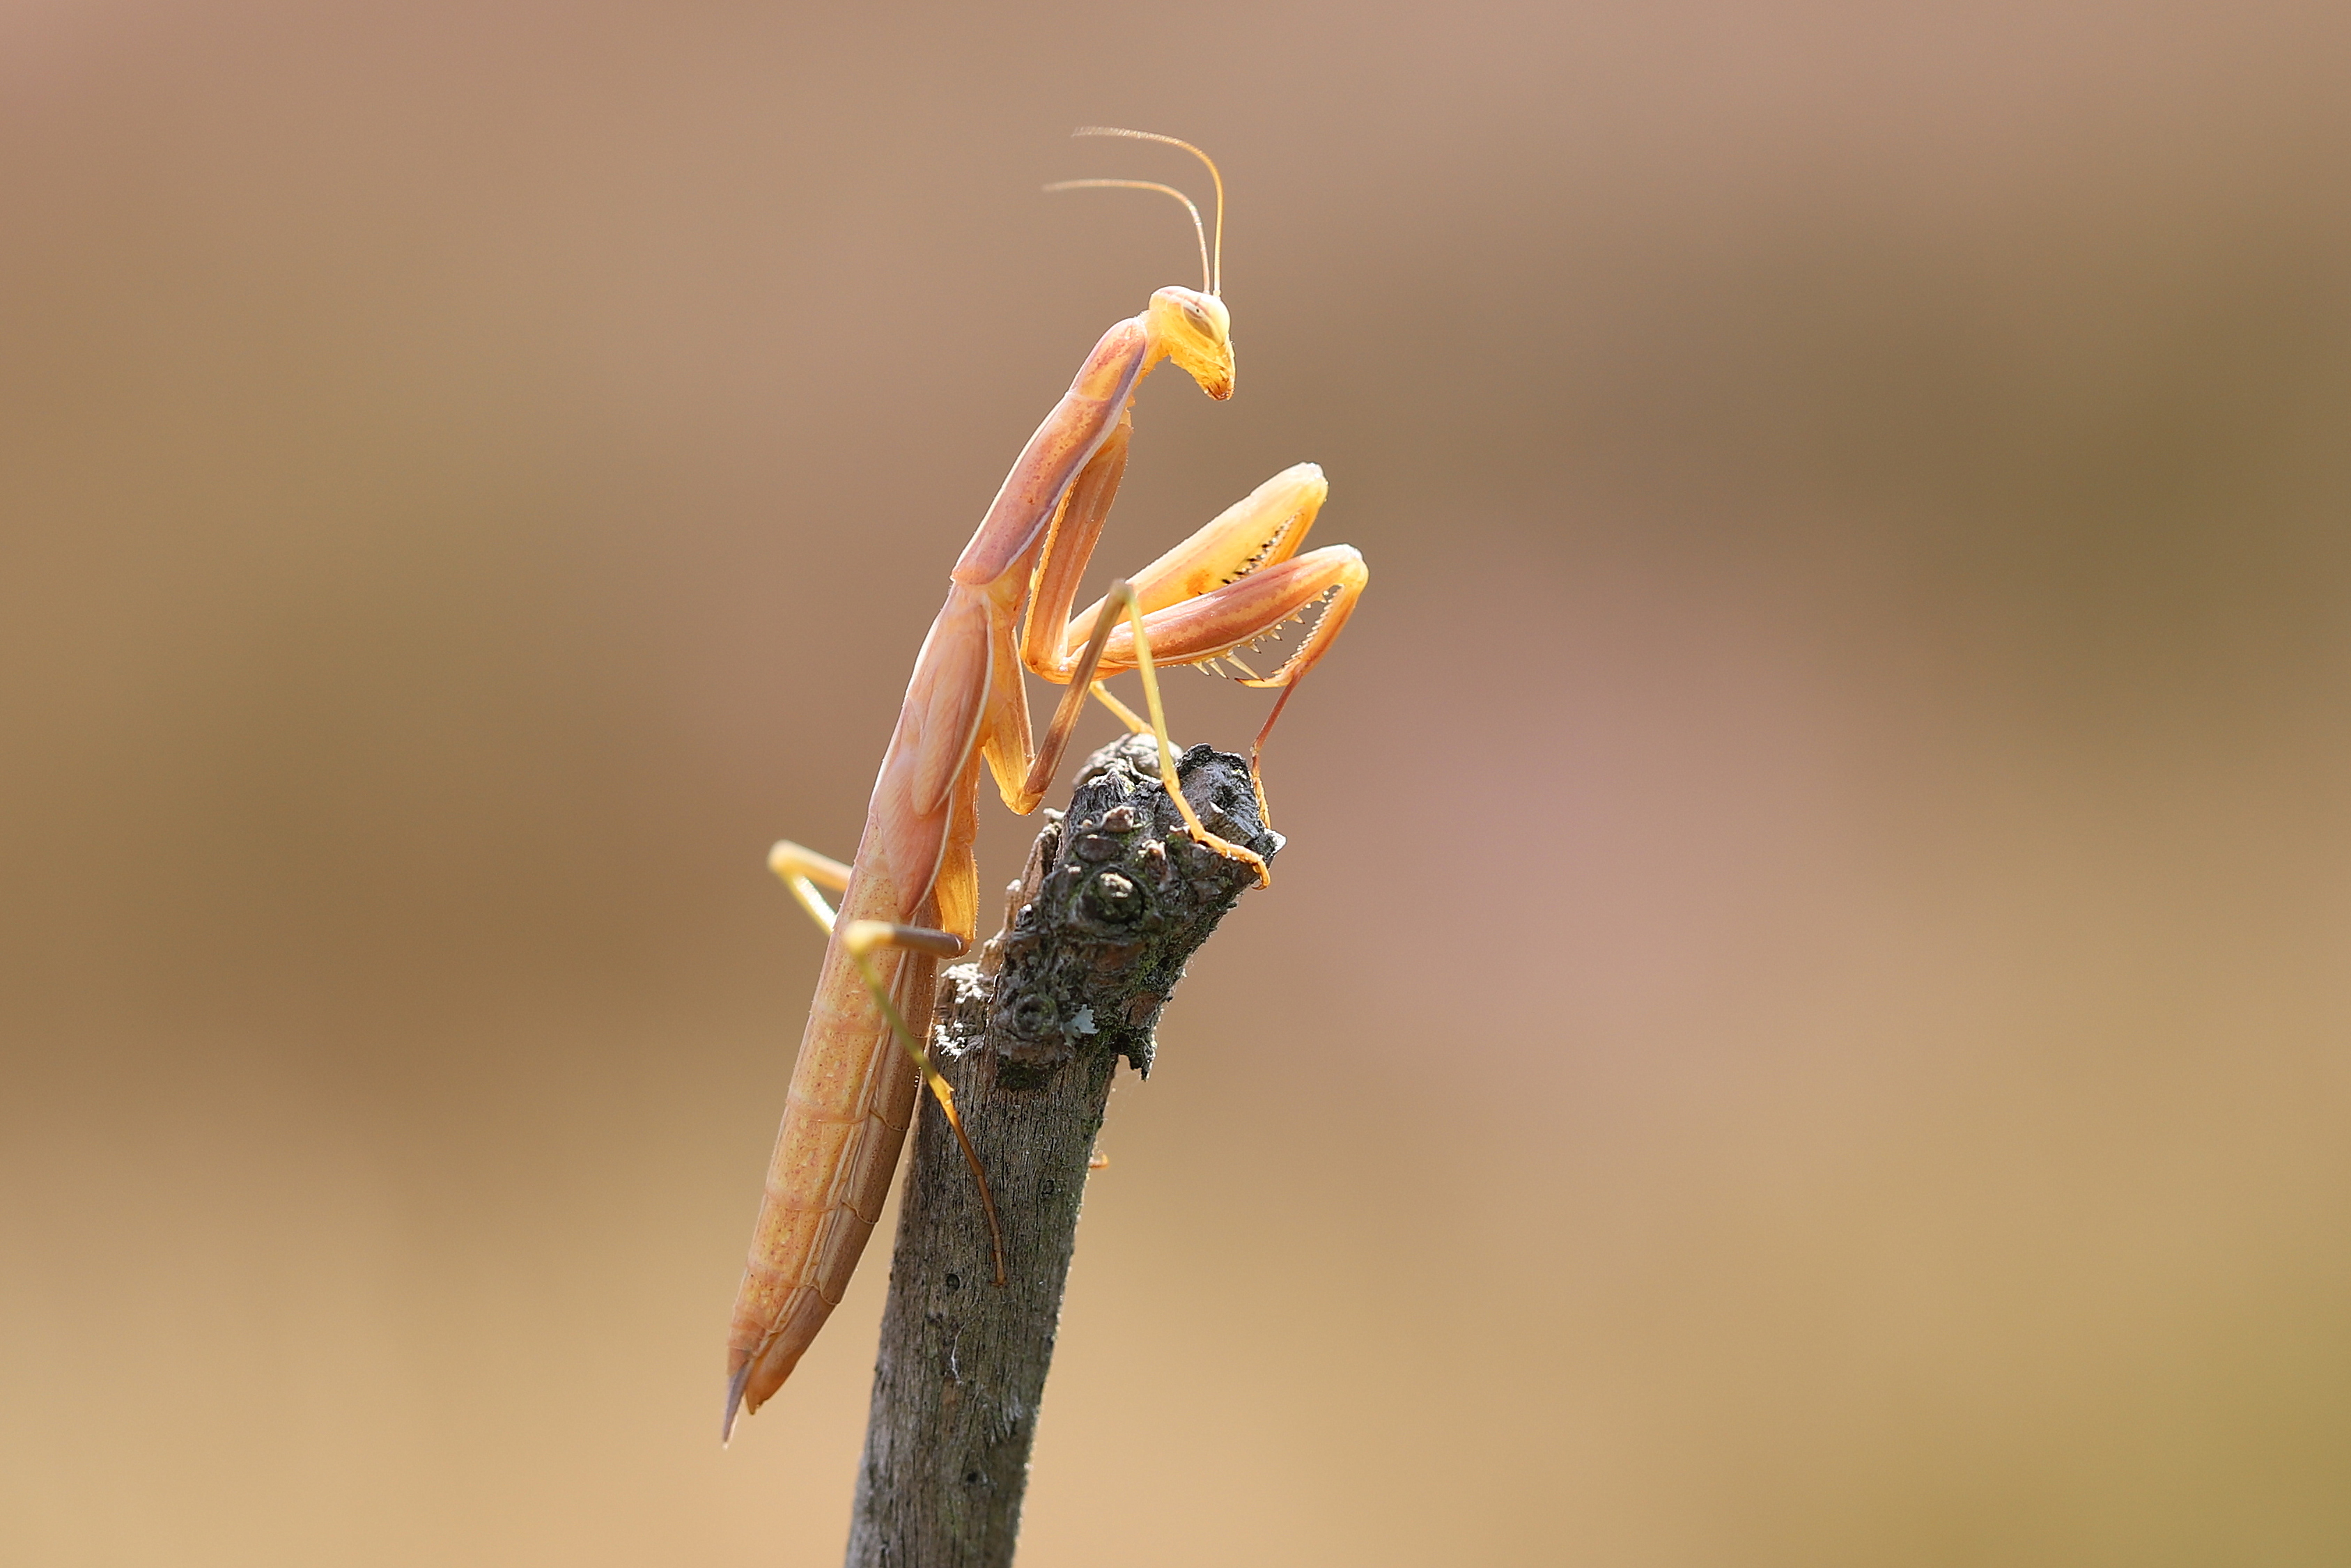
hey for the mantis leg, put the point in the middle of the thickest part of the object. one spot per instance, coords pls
(1211, 629)
(1238, 580)
(1230, 586)
(803, 871)
(1009, 741)
(860, 937)
(1122, 596)
(1232, 583)
(1262, 529)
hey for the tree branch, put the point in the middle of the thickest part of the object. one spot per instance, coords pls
(1115, 899)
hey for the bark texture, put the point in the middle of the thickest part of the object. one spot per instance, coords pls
(1115, 899)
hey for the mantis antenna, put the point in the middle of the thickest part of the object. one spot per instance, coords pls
(1206, 279)
(1216, 272)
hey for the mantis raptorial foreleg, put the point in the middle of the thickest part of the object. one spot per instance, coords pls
(1233, 583)
(1120, 611)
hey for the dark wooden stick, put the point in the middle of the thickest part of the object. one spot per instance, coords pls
(1116, 897)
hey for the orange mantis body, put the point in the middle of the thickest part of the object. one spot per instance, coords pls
(911, 895)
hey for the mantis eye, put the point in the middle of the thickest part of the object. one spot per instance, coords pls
(1199, 319)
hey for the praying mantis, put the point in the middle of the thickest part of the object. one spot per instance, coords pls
(911, 896)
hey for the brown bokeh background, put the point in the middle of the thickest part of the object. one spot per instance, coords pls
(1804, 1021)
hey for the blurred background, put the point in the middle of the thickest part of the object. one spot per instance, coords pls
(1804, 1018)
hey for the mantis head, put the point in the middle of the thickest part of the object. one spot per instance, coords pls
(1190, 325)
(1198, 333)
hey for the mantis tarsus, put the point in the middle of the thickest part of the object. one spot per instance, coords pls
(911, 897)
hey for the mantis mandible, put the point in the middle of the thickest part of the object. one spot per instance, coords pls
(911, 897)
